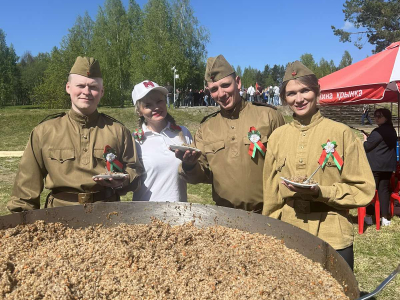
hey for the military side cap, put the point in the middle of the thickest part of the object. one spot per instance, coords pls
(217, 68)
(86, 66)
(295, 70)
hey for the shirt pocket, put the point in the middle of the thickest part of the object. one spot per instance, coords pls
(62, 155)
(214, 152)
(213, 148)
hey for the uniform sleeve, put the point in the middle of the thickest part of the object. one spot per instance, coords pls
(131, 161)
(28, 182)
(372, 141)
(201, 172)
(272, 204)
(357, 186)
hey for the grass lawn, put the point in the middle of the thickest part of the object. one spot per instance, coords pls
(377, 253)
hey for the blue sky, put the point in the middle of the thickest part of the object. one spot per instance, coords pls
(248, 33)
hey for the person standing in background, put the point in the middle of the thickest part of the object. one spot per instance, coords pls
(365, 112)
(250, 93)
(170, 95)
(380, 147)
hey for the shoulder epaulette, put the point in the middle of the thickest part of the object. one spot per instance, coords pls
(53, 116)
(111, 118)
(210, 116)
(264, 104)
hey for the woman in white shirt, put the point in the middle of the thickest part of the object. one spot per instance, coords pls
(157, 131)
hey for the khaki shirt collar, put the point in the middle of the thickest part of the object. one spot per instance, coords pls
(234, 113)
(88, 121)
(307, 124)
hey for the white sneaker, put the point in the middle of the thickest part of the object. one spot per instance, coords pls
(368, 220)
(385, 222)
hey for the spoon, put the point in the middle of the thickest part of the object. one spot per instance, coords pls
(309, 178)
(382, 285)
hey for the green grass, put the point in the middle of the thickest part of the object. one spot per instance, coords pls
(17, 123)
(377, 253)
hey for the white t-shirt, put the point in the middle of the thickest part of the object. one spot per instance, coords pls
(250, 90)
(161, 181)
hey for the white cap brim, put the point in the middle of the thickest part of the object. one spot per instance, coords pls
(143, 88)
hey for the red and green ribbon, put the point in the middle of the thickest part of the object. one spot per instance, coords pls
(111, 160)
(138, 135)
(330, 151)
(255, 139)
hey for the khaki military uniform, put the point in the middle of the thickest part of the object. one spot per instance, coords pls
(235, 176)
(67, 151)
(294, 150)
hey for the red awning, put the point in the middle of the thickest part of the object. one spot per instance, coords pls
(374, 79)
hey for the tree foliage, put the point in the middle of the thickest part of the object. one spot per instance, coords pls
(273, 76)
(347, 60)
(132, 45)
(32, 70)
(9, 73)
(376, 21)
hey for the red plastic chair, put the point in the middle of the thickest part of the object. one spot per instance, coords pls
(393, 196)
(395, 188)
(362, 211)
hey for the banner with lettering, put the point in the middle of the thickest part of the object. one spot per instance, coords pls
(372, 80)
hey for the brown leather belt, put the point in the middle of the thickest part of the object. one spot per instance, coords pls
(306, 207)
(84, 198)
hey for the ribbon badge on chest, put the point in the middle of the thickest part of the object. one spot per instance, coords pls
(138, 135)
(330, 151)
(255, 139)
(111, 160)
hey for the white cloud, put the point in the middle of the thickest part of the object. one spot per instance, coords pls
(347, 25)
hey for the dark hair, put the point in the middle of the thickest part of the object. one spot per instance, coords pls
(386, 113)
(311, 81)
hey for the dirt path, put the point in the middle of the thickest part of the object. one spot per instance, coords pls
(11, 153)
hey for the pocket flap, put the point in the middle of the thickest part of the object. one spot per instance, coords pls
(214, 147)
(62, 154)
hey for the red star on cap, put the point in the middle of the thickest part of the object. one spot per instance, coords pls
(294, 73)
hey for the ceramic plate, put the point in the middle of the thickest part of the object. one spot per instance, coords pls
(113, 176)
(300, 185)
(183, 148)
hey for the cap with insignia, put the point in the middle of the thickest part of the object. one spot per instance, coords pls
(295, 70)
(217, 68)
(86, 66)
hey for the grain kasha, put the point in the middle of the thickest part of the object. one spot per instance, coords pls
(156, 261)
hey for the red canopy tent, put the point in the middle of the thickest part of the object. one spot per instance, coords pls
(372, 80)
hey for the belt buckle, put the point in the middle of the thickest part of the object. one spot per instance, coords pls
(303, 207)
(84, 198)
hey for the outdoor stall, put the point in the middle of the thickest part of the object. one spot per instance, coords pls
(374, 80)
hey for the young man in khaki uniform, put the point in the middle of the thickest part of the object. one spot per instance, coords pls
(228, 160)
(67, 150)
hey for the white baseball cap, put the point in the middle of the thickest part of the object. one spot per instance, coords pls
(142, 89)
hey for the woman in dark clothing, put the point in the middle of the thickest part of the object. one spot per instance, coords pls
(380, 146)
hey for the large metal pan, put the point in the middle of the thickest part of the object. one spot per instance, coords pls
(112, 214)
